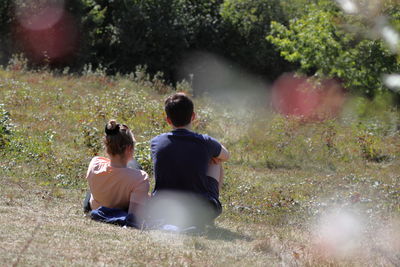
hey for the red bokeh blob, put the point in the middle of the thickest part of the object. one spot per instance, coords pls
(298, 96)
(47, 35)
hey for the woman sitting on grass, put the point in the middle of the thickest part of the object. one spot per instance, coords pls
(112, 184)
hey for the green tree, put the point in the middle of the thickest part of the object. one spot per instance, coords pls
(6, 20)
(322, 47)
(247, 24)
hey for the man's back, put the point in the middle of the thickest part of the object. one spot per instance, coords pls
(181, 159)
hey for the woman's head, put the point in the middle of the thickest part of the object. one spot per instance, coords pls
(118, 138)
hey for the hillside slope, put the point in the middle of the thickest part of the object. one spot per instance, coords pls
(296, 193)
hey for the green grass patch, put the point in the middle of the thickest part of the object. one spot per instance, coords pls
(284, 173)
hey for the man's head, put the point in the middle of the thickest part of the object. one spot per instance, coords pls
(179, 109)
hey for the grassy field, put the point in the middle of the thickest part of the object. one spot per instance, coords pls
(295, 193)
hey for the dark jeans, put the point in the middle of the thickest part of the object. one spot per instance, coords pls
(213, 192)
(86, 202)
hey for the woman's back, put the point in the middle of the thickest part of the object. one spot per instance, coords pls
(115, 187)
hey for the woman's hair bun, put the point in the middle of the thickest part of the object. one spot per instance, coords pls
(112, 127)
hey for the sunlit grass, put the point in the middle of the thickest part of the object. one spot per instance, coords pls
(284, 174)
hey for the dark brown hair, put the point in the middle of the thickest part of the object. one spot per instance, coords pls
(118, 137)
(179, 108)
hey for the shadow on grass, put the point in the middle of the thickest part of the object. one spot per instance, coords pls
(219, 233)
(212, 233)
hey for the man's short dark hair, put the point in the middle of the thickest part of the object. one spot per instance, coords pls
(179, 108)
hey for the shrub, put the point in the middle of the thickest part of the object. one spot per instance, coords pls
(120, 35)
(247, 24)
(91, 139)
(5, 31)
(5, 126)
(130, 33)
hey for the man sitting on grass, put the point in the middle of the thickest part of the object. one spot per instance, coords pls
(188, 162)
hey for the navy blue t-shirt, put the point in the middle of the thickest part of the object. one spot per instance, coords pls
(181, 159)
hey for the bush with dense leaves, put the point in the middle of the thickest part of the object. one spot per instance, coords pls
(5, 126)
(320, 45)
(247, 23)
(120, 35)
(5, 32)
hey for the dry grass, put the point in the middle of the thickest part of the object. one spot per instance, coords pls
(39, 228)
(283, 178)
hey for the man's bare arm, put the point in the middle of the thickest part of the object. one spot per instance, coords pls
(223, 156)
